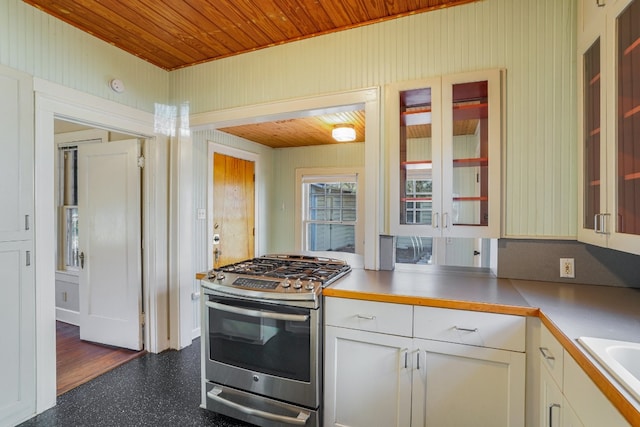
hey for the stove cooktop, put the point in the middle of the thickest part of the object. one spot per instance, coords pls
(318, 269)
(287, 277)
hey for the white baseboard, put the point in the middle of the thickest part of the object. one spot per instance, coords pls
(68, 316)
(195, 333)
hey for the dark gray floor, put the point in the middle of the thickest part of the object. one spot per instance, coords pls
(153, 390)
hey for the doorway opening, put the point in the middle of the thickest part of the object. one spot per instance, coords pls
(98, 277)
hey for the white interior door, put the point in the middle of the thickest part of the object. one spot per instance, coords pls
(109, 223)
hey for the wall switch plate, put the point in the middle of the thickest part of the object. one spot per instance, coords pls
(567, 268)
(202, 214)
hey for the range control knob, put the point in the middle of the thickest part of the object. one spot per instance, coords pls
(220, 277)
(286, 283)
(297, 284)
(309, 285)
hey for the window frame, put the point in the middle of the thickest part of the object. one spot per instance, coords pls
(327, 175)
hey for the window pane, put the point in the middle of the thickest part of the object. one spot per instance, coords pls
(331, 237)
(71, 238)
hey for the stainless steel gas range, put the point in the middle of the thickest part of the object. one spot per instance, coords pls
(262, 328)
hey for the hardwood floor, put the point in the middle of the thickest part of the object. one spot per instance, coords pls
(81, 361)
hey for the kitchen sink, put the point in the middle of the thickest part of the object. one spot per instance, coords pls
(620, 358)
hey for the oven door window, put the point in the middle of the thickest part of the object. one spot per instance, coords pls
(267, 338)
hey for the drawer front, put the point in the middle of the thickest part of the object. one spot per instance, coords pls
(386, 318)
(551, 355)
(470, 327)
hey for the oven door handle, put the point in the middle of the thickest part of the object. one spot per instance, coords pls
(300, 420)
(257, 313)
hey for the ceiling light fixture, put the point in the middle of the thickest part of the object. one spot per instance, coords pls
(343, 133)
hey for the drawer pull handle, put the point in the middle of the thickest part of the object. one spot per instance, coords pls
(361, 316)
(546, 353)
(465, 329)
(553, 405)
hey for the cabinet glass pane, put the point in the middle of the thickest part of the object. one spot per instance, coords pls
(470, 179)
(591, 134)
(628, 143)
(416, 180)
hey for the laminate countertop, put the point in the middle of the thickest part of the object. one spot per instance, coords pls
(568, 310)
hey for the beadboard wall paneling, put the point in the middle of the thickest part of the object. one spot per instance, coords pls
(286, 161)
(534, 41)
(45, 47)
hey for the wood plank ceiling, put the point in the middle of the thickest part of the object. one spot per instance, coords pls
(173, 34)
(178, 33)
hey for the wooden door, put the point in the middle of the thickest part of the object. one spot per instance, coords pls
(109, 223)
(233, 209)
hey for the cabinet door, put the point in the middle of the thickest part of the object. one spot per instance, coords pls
(624, 163)
(16, 161)
(592, 148)
(551, 400)
(462, 385)
(367, 379)
(471, 163)
(17, 317)
(414, 129)
(593, 408)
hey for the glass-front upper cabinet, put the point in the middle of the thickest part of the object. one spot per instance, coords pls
(592, 136)
(609, 129)
(627, 94)
(445, 137)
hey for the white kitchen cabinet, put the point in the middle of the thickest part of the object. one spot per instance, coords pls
(568, 397)
(463, 385)
(554, 408)
(17, 359)
(609, 123)
(16, 161)
(591, 406)
(366, 380)
(470, 369)
(445, 137)
(17, 305)
(383, 378)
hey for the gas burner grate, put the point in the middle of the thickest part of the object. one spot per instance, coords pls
(290, 267)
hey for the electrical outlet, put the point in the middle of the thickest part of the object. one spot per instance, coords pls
(567, 268)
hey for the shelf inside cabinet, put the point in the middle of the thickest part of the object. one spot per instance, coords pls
(475, 161)
(632, 46)
(471, 199)
(595, 79)
(632, 176)
(416, 199)
(470, 111)
(632, 111)
(416, 164)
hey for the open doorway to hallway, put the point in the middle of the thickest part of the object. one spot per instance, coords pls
(98, 252)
